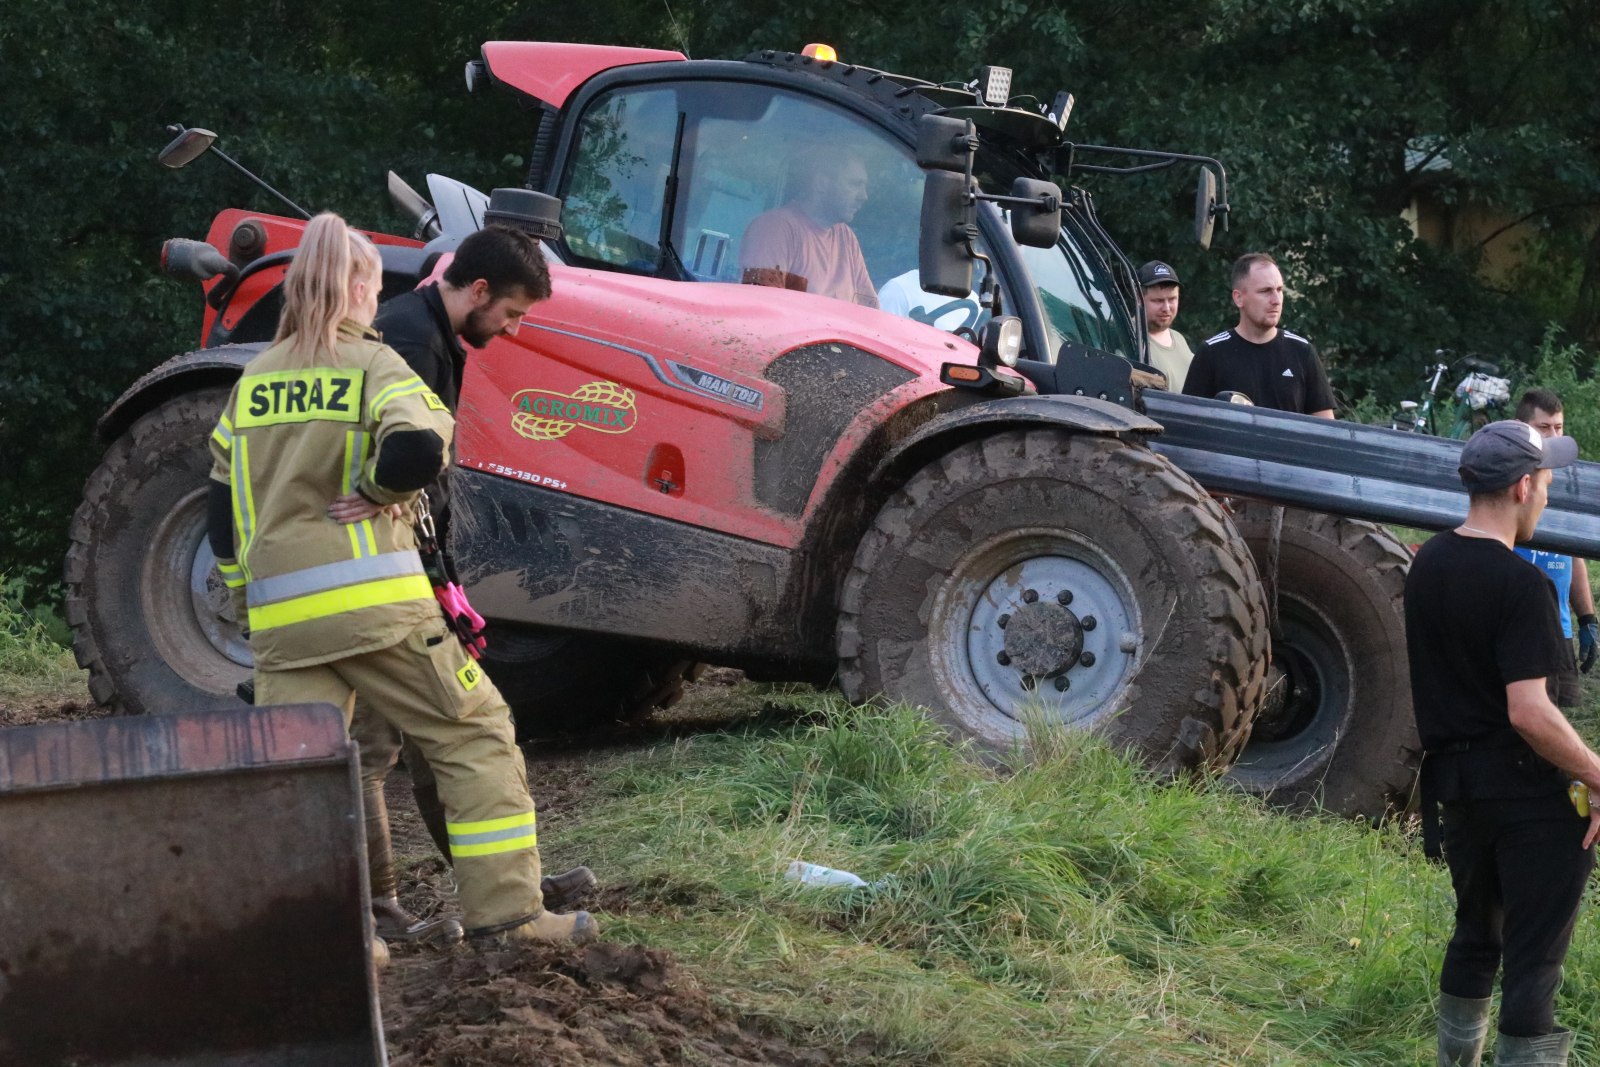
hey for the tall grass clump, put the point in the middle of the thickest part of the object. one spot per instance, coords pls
(32, 664)
(1072, 911)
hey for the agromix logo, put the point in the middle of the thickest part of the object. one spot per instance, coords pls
(543, 415)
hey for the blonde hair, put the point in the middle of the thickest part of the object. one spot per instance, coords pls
(316, 289)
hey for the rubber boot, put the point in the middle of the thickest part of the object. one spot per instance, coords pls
(1546, 1050)
(1463, 1027)
(560, 890)
(394, 923)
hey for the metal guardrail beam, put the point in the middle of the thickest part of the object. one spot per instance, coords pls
(1345, 468)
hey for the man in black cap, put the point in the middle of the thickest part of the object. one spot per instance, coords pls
(1169, 351)
(1482, 635)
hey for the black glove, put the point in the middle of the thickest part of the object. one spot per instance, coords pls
(1588, 641)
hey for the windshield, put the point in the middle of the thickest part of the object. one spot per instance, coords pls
(732, 182)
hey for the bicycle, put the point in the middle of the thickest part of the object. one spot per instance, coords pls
(1481, 397)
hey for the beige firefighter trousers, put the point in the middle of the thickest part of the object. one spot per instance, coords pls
(429, 689)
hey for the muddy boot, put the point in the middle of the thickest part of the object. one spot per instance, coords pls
(393, 921)
(548, 927)
(380, 954)
(1546, 1050)
(560, 890)
(1463, 1025)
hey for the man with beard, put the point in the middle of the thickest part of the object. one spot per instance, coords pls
(497, 274)
(1169, 350)
(1273, 367)
(807, 244)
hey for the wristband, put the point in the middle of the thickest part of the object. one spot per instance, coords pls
(1585, 620)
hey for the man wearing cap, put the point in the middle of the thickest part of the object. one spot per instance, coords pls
(1273, 367)
(1169, 351)
(1482, 636)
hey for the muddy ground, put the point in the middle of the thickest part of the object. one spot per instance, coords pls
(604, 1004)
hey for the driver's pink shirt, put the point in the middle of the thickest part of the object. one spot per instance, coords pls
(825, 260)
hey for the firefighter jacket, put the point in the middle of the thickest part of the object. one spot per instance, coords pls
(297, 432)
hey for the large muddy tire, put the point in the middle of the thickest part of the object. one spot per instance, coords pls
(151, 620)
(562, 683)
(974, 590)
(1336, 732)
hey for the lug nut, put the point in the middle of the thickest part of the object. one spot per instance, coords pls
(1004, 658)
(1028, 683)
(1003, 620)
(1062, 684)
(1088, 622)
(1087, 659)
(1064, 597)
(1029, 596)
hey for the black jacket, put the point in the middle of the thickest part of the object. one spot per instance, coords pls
(416, 325)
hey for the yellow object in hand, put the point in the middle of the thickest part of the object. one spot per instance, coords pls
(1578, 793)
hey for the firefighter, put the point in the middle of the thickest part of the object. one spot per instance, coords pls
(494, 277)
(336, 609)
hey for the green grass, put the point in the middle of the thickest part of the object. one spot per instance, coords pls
(33, 666)
(1074, 912)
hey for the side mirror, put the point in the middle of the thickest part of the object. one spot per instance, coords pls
(1205, 207)
(185, 148)
(949, 225)
(1036, 224)
(945, 143)
(536, 214)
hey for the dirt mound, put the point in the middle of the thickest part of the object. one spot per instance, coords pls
(605, 1004)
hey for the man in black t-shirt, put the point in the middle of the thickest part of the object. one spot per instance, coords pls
(1273, 367)
(1482, 636)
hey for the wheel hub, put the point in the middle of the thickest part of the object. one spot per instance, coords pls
(1043, 639)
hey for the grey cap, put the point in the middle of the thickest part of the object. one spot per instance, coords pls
(1156, 272)
(1502, 452)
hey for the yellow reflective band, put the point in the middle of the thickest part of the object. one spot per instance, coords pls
(469, 676)
(289, 396)
(223, 434)
(395, 392)
(492, 836)
(487, 826)
(232, 574)
(339, 601)
(244, 505)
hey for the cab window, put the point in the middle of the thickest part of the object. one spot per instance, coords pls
(733, 182)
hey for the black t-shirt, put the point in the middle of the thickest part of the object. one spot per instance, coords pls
(416, 325)
(1478, 617)
(1284, 373)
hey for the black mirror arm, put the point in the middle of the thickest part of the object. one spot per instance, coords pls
(1162, 159)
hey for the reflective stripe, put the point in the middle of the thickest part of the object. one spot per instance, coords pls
(310, 394)
(335, 575)
(355, 452)
(244, 505)
(223, 434)
(232, 574)
(339, 601)
(492, 836)
(396, 391)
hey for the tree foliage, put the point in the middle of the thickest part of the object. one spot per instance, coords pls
(1312, 105)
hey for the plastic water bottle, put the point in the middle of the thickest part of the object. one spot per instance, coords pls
(816, 874)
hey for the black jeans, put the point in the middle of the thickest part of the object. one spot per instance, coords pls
(1519, 870)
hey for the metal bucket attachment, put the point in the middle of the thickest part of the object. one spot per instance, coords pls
(185, 889)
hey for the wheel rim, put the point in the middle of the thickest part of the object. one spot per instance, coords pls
(187, 609)
(1309, 704)
(1062, 591)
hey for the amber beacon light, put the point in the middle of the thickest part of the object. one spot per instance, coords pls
(822, 53)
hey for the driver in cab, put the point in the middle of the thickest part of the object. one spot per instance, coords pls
(807, 244)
